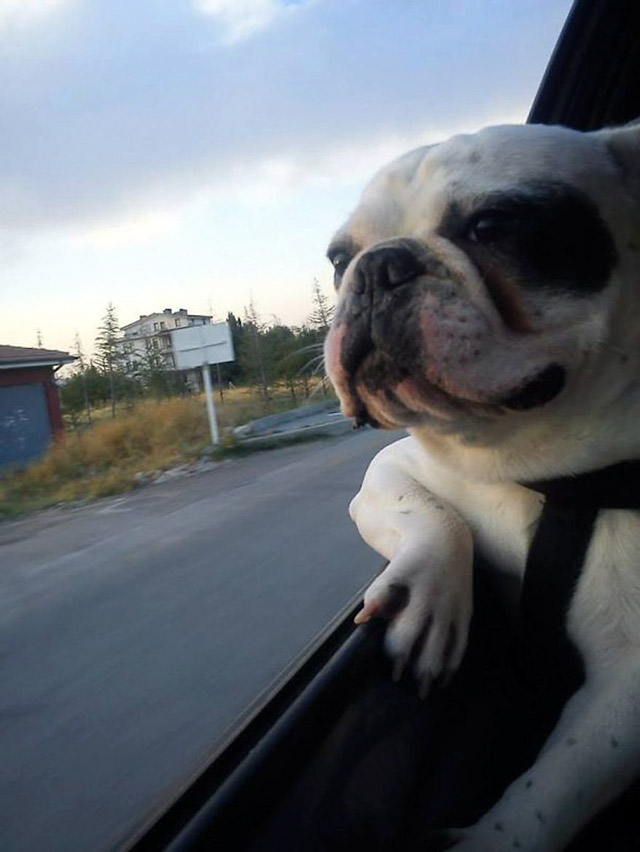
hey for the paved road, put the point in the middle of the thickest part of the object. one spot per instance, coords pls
(134, 631)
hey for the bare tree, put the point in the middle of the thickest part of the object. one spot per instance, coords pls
(81, 370)
(254, 329)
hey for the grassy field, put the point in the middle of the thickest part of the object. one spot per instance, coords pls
(238, 405)
(109, 456)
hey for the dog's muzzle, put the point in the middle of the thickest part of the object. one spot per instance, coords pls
(406, 339)
(375, 314)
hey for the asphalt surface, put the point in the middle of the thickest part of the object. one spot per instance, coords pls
(135, 631)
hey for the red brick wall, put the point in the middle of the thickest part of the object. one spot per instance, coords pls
(33, 375)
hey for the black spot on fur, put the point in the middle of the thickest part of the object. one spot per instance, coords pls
(498, 826)
(540, 817)
(571, 741)
(516, 843)
(614, 742)
(542, 235)
(529, 784)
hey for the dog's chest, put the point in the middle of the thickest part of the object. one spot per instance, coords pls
(604, 618)
(604, 614)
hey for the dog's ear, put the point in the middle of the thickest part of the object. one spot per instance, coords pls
(624, 145)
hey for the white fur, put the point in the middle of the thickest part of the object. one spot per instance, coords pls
(429, 500)
(571, 783)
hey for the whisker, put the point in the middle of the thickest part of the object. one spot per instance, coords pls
(312, 347)
(316, 362)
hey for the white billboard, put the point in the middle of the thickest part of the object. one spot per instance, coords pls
(202, 344)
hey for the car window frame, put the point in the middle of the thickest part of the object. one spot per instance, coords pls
(588, 84)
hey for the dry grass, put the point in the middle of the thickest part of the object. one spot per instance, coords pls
(239, 405)
(105, 459)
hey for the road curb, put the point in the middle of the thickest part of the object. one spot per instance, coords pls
(272, 423)
(277, 439)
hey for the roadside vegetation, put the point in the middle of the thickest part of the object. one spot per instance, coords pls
(269, 357)
(115, 455)
(123, 426)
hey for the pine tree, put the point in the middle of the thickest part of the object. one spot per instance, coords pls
(107, 350)
(319, 321)
(322, 313)
(153, 374)
(78, 352)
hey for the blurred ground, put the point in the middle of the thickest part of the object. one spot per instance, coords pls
(135, 630)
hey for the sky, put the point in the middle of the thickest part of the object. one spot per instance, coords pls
(199, 153)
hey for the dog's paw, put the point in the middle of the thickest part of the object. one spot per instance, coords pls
(427, 598)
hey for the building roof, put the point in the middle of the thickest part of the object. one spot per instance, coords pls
(179, 313)
(12, 357)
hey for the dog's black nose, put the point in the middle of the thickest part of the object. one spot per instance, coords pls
(387, 267)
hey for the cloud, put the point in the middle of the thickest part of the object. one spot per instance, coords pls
(240, 19)
(275, 180)
(19, 13)
(136, 108)
(270, 184)
(143, 228)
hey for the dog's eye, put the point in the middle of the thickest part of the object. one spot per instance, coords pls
(340, 260)
(492, 226)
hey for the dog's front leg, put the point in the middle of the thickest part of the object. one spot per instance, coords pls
(430, 555)
(590, 758)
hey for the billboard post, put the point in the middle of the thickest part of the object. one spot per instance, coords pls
(200, 346)
(211, 405)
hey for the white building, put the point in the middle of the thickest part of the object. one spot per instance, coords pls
(150, 335)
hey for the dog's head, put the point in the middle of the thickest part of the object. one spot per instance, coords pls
(490, 284)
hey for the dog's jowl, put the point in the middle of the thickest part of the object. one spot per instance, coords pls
(489, 302)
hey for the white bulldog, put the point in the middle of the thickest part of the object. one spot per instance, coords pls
(488, 301)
